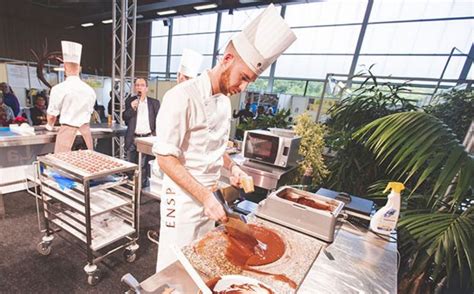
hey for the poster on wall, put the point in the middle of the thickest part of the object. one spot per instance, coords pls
(17, 76)
(22, 76)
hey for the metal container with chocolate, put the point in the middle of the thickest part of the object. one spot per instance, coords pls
(303, 211)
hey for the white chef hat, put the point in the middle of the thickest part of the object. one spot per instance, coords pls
(263, 40)
(190, 63)
(71, 52)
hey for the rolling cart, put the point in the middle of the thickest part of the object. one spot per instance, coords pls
(87, 199)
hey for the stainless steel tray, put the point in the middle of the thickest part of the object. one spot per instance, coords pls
(87, 164)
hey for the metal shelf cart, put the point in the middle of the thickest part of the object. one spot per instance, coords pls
(88, 196)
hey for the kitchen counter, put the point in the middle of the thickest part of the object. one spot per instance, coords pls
(356, 262)
(43, 136)
(19, 151)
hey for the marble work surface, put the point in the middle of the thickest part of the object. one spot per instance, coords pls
(301, 251)
(356, 262)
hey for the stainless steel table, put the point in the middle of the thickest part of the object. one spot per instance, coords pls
(42, 136)
(356, 262)
(144, 147)
(17, 152)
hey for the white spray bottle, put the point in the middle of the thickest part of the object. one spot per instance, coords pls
(384, 221)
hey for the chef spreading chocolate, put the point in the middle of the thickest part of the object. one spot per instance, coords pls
(73, 100)
(193, 131)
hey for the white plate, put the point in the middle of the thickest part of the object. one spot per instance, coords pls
(226, 281)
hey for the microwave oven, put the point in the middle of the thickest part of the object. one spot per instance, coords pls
(271, 147)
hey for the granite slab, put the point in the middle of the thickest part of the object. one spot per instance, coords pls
(301, 251)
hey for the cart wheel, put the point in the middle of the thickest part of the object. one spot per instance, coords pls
(129, 255)
(93, 278)
(44, 248)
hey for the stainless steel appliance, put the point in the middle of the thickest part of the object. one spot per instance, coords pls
(270, 147)
(302, 211)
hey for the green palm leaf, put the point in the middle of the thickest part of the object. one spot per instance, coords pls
(416, 143)
(446, 238)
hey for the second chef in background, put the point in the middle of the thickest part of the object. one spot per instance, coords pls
(72, 100)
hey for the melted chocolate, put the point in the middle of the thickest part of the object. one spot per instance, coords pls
(281, 278)
(237, 288)
(307, 201)
(213, 282)
(243, 249)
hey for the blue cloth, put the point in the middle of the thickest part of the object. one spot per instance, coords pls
(63, 181)
(5, 132)
(11, 100)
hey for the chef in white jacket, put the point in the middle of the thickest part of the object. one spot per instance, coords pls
(73, 100)
(193, 130)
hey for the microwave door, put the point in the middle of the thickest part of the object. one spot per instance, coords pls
(261, 147)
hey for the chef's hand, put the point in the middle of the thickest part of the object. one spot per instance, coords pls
(134, 104)
(213, 209)
(49, 127)
(236, 174)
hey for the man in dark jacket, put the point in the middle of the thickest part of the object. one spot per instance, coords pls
(38, 113)
(140, 117)
(244, 114)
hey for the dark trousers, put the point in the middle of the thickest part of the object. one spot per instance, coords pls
(132, 156)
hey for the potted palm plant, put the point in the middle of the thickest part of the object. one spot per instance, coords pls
(353, 168)
(436, 230)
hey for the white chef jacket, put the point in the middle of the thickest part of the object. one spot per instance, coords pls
(143, 123)
(72, 99)
(193, 125)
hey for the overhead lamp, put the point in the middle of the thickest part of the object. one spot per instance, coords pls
(206, 6)
(107, 21)
(58, 68)
(87, 24)
(166, 12)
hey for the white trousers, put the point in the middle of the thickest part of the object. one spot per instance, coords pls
(182, 221)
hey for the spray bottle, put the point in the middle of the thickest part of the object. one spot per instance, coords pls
(384, 221)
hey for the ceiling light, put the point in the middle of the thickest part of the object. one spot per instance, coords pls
(207, 6)
(88, 24)
(107, 21)
(58, 68)
(166, 12)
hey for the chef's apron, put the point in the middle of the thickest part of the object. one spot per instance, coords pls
(182, 221)
(182, 216)
(67, 135)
